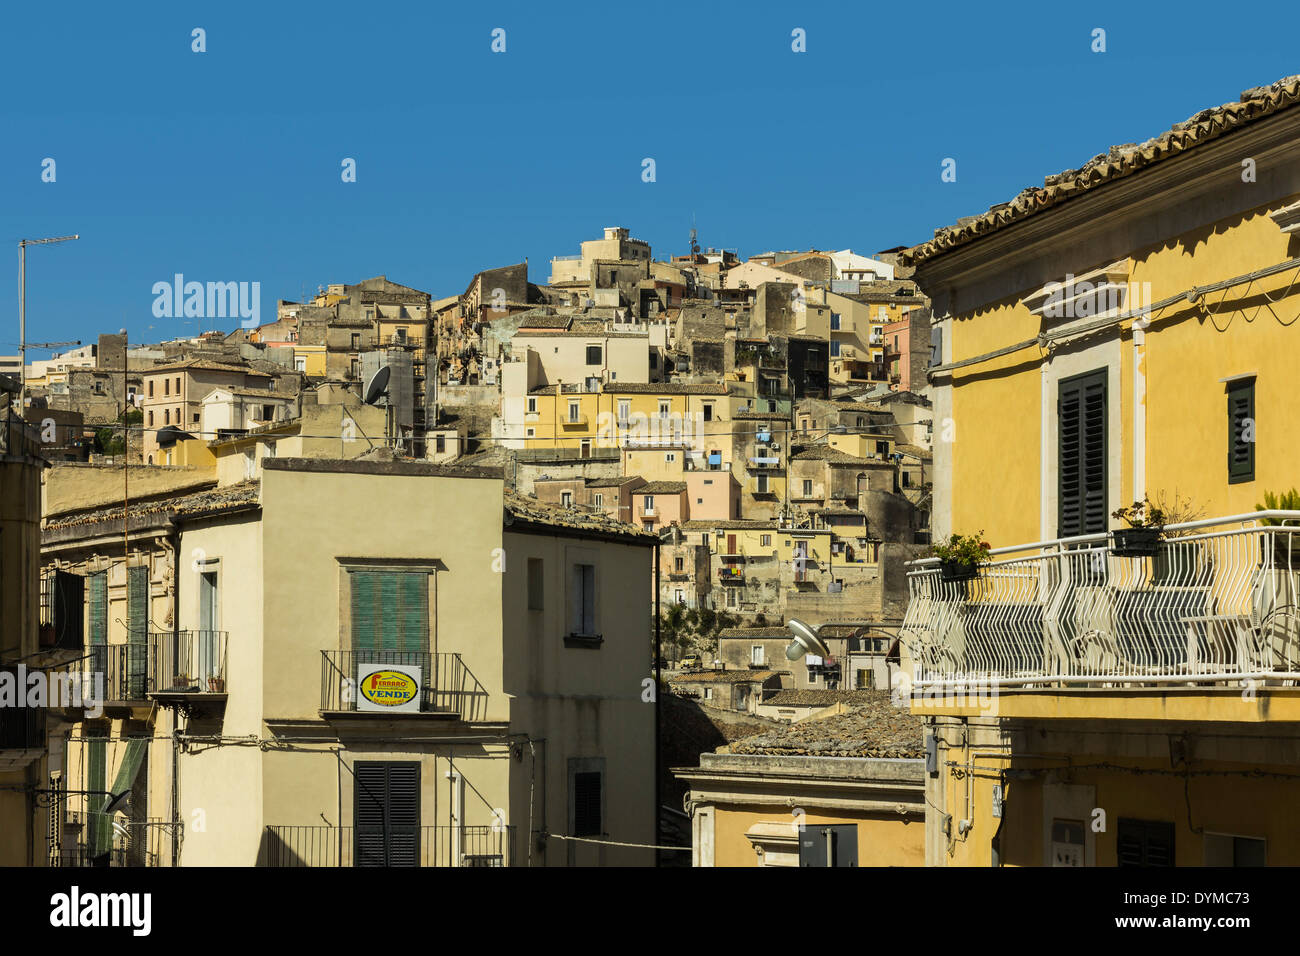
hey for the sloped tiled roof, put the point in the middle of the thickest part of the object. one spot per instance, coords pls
(872, 727)
(725, 677)
(202, 502)
(534, 512)
(1117, 163)
(662, 488)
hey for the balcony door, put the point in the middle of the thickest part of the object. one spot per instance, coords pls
(386, 814)
(390, 622)
(209, 624)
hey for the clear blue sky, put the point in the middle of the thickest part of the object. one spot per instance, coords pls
(225, 165)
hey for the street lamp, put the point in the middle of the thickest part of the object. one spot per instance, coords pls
(22, 309)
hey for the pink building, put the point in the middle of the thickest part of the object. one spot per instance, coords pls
(658, 504)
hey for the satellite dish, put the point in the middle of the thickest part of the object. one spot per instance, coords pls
(377, 385)
(805, 641)
(119, 803)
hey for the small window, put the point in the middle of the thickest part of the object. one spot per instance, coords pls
(599, 500)
(679, 565)
(665, 409)
(575, 411)
(532, 405)
(582, 600)
(708, 412)
(649, 503)
(535, 582)
(440, 444)
(1144, 843)
(151, 388)
(1222, 849)
(1241, 431)
(708, 693)
(593, 354)
(807, 488)
(765, 541)
(566, 499)
(167, 386)
(587, 800)
(530, 432)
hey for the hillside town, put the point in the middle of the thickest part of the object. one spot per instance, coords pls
(688, 557)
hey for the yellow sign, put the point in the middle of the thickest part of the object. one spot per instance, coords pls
(389, 688)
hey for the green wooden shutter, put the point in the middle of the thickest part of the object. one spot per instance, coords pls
(1081, 466)
(137, 620)
(99, 608)
(1241, 431)
(390, 611)
(386, 814)
(97, 838)
(137, 602)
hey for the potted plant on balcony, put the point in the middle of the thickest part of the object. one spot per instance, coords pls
(1146, 526)
(960, 556)
(1286, 546)
(216, 685)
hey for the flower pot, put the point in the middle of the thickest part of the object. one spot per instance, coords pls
(217, 685)
(1286, 550)
(958, 570)
(1136, 542)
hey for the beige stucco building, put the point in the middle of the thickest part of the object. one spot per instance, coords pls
(315, 675)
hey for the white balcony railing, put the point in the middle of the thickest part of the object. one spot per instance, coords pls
(1218, 602)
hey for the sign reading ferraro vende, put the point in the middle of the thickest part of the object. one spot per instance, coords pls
(388, 687)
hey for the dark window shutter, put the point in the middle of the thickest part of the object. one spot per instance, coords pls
(386, 814)
(69, 601)
(1081, 426)
(1144, 843)
(1241, 426)
(586, 804)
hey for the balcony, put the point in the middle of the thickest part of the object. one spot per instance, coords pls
(22, 736)
(423, 846)
(188, 668)
(446, 688)
(126, 670)
(1217, 604)
(731, 575)
(122, 844)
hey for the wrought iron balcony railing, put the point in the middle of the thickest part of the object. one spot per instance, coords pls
(1218, 601)
(93, 839)
(319, 846)
(446, 684)
(188, 662)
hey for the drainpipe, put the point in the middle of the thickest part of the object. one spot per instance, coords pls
(658, 658)
(175, 537)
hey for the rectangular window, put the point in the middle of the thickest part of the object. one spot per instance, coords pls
(575, 411)
(593, 354)
(1144, 843)
(536, 601)
(624, 412)
(807, 488)
(587, 803)
(835, 321)
(598, 500)
(1241, 431)
(1081, 422)
(649, 503)
(679, 565)
(665, 409)
(390, 611)
(532, 406)
(386, 814)
(708, 412)
(1222, 849)
(756, 655)
(835, 348)
(440, 444)
(760, 487)
(582, 600)
(765, 541)
(566, 499)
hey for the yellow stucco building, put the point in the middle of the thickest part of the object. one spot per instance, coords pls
(1126, 331)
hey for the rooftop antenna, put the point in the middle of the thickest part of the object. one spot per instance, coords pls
(695, 234)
